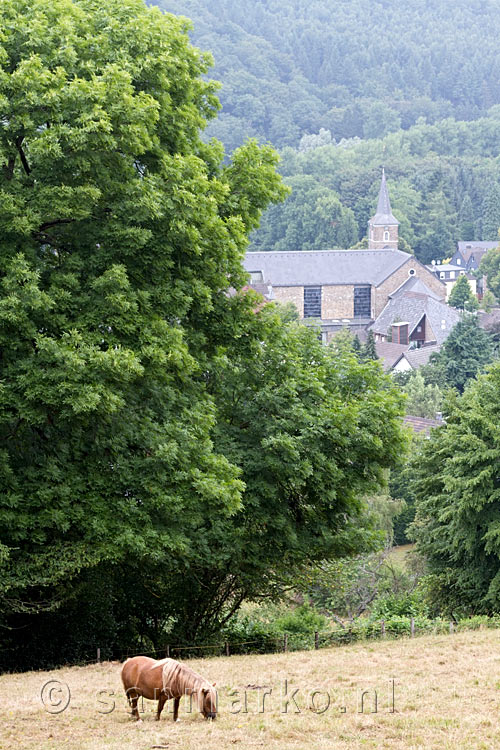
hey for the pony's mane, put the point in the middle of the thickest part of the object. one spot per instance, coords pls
(182, 680)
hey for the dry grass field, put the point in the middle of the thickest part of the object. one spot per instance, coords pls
(398, 554)
(446, 696)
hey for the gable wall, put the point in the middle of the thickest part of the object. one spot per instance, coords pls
(380, 294)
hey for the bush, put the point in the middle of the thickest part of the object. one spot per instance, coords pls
(303, 619)
(409, 604)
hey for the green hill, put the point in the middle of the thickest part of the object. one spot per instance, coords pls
(356, 67)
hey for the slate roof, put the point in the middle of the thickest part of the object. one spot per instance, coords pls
(419, 424)
(490, 320)
(413, 285)
(325, 267)
(384, 213)
(410, 308)
(467, 248)
(419, 357)
(445, 267)
(473, 250)
(389, 353)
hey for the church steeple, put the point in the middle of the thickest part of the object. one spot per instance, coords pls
(383, 227)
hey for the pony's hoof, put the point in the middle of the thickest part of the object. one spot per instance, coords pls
(177, 720)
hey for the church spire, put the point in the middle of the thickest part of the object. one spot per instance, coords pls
(383, 227)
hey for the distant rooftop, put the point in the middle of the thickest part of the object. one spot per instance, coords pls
(421, 425)
(476, 245)
(324, 267)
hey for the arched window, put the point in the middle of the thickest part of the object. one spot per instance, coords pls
(386, 235)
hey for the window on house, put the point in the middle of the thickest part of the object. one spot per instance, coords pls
(459, 262)
(412, 272)
(362, 302)
(442, 274)
(256, 276)
(312, 302)
(452, 274)
(386, 235)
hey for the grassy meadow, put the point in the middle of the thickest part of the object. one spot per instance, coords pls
(439, 692)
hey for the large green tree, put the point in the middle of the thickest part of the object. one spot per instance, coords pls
(121, 233)
(465, 353)
(313, 431)
(167, 445)
(490, 267)
(457, 492)
(491, 213)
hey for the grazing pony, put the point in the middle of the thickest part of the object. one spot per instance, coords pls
(165, 679)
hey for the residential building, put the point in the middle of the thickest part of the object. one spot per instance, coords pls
(468, 255)
(449, 274)
(415, 315)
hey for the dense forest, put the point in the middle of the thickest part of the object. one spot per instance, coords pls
(443, 181)
(343, 88)
(355, 67)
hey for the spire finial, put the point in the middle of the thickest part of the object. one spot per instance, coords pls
(384, 213)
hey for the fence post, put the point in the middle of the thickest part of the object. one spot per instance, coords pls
(412, 627)
(451, 626)
(98, 655)
(227, 648)
(382, 628)
(285, 642)
(167, 650)
(316, 640)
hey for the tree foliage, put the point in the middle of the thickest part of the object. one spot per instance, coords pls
(458, 501)
(462, 296)
(169, 443)
(438, 178)
(121, 233)
(490, 267)
(299, 419)
(465, 353)
(369, 350)
(358, 68)
(423, 400)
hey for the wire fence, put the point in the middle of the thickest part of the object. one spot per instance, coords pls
(391, 628)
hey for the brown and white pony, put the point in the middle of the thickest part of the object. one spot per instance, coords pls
(165, 679)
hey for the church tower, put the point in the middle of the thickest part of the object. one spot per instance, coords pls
(383, 227)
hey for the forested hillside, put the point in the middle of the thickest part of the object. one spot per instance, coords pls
(355, 67)
(443, 181)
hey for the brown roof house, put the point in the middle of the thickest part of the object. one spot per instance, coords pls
(341, 288)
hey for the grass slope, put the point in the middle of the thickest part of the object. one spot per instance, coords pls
(446, 696)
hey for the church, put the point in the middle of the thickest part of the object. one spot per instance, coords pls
(350, 288)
